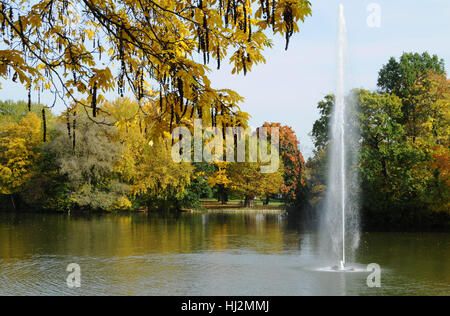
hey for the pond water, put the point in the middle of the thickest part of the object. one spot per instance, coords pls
(205, 254)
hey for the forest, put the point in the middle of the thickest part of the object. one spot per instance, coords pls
(51, 162)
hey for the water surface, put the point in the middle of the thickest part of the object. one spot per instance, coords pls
(205, 254)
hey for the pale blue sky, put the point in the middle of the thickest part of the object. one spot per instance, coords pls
(288, 88)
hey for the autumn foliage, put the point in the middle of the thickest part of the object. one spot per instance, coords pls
(294, 186)
(157, 51)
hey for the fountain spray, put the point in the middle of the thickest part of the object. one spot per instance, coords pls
(340, 223)
(340, 108)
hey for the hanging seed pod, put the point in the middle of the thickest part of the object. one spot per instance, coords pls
(44, 122)
(227, 14)
(74, 132)
(3, 25)
(235, 12)
(94, 100)
(218, 57)
(289, 21)
(245, 17)
(206, 38)
(2, 13)
(171, 119)
(249, 29)
(29, 98)
(122, 76)
(161, 104)
(141, 87)
(21, 32)
(131, 68)
(274, 6)
(68, 127)
(268, 11)
(244, 63)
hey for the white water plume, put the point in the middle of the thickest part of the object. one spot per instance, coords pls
(340, 232)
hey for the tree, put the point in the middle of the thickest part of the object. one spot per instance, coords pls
(294, 187)
(400, 78)
(317, 172)
(383, 146)
(248, 179)
(218, 177)
(146, 164)
(432, 97)
(86, 155)
(318, 164)
(399, 177)
(69, 47)
(321, 128)
(18, 153)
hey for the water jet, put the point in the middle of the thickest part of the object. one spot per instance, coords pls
(340, 220)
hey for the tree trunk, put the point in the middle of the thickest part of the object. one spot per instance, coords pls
(222, 195)
(249, 201)
(267, 201)
(225, 197)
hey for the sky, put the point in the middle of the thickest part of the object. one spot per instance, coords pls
(288, 87)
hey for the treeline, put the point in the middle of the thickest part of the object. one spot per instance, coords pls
(121, 160)
(404, 148)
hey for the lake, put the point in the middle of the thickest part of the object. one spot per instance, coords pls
(205, 254)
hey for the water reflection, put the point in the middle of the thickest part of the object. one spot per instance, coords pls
(203, 254)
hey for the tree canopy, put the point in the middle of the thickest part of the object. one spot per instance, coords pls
(159, 50)
(404, 145)
(398, 77)
(18, 143)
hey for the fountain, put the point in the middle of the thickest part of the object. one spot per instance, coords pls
(340, 221)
